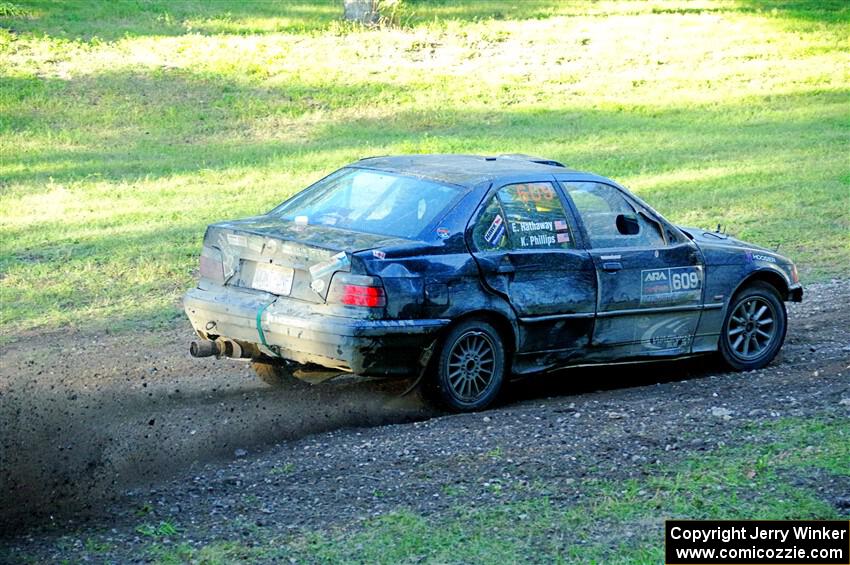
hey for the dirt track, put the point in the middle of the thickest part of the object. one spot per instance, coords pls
(85, 417)
(84, 420)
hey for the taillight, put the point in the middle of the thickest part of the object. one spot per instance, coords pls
(357, 290)
(355, 295)
(211, 265)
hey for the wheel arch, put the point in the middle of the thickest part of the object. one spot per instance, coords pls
(502, 323)
(773, 278)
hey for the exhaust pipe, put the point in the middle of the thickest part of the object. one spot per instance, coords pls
(205, 348)
(221, 348)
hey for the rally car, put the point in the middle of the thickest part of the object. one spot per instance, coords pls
(463, 270)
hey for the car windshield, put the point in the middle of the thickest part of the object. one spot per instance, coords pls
(370, 201)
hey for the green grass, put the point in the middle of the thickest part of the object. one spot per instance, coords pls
(127, 126)
(764, 476)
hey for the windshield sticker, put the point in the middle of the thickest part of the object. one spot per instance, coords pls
(496, 230)
(378, 254)
(659, 285)
(531, 226)
(560, 225)
(536, 240)
(443, 233)
(563, 237)
(535, 192)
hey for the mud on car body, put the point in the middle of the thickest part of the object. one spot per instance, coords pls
(464, 270)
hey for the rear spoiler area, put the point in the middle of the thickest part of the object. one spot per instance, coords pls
(532, 159)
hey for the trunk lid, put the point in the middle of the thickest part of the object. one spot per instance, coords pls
(287, 259)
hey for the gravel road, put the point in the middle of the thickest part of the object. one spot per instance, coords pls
(96, 428)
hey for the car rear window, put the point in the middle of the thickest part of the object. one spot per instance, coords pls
(371, 201)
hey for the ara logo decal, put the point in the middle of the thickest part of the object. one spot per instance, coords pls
(674, 285)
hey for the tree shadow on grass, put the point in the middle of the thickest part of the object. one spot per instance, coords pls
(92, 21)
(130, 125)
(119, 129)
(116, 19)
(826, 11)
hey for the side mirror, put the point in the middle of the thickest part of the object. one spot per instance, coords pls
(628, 224)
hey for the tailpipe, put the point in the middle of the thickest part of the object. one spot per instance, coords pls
(205, 348)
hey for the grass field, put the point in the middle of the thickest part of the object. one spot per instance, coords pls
(768, 477)
(127, 126)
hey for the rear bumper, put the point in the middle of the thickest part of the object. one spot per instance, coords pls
(295, 331)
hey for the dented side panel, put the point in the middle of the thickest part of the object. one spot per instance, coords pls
(555, 307)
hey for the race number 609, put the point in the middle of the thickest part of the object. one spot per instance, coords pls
(684, 281)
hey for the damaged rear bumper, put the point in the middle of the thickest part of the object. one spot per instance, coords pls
(288, 329)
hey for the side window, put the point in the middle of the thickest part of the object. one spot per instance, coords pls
(523, 216)
(600, 207)
(489, 233)
(535, 216)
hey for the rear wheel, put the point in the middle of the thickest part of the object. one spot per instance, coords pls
(754, 328)
(470, 367)
(275, 374)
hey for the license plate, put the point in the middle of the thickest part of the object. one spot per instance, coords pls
(272, 278)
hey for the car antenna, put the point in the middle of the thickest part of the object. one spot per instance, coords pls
(717, 229)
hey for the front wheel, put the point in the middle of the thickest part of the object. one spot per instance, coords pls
(470, 368)
(754, 328)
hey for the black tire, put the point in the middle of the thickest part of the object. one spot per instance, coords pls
(754, 327)
(275, 374)
(469, 371)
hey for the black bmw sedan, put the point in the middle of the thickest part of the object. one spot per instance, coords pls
(463, 270)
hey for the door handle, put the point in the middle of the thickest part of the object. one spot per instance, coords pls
(505, 268)
(612, 266)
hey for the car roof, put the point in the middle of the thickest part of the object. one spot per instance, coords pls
(464, 170)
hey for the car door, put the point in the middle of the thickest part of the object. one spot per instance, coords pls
(649, 276)
(524, 242)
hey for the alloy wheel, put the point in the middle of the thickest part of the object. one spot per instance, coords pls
(471, 365)
(752, 327)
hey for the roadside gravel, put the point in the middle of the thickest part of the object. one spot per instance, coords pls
(558, 430)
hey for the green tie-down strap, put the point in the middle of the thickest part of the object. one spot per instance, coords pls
(260, 331)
